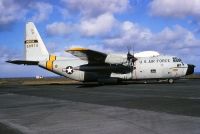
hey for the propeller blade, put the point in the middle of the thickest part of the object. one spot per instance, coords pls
(130, 57)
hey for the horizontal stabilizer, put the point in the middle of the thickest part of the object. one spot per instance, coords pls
(19, 62)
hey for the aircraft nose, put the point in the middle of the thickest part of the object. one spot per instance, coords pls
(190, 69)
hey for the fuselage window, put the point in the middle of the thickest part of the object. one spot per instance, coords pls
(153, 70)
(178, 65)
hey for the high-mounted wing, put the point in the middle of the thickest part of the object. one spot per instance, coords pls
(93, 57)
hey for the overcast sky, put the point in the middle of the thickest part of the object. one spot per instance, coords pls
(171, 27)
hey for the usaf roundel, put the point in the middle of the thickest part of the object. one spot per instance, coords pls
(69, 70)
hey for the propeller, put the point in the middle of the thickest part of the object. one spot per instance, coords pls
(130, 57)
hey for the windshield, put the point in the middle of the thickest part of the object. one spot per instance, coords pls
(175, 59)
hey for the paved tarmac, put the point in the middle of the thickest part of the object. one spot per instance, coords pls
(156, 108)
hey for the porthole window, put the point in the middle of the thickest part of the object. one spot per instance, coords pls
(153, 70)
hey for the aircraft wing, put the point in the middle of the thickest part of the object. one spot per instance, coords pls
(93, 57)
(19, 62)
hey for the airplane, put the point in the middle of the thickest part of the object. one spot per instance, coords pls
(95, 66)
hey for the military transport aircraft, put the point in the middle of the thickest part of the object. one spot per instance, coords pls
(97, 66)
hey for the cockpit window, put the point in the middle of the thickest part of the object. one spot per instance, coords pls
(178, 65)
(175, 59)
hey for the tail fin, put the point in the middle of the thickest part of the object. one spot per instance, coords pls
(35, 49)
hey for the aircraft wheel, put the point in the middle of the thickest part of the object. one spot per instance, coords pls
(171, 81)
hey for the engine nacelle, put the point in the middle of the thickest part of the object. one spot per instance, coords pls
(115, 59)
(116, 68)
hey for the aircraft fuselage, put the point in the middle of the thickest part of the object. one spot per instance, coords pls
(158, 67)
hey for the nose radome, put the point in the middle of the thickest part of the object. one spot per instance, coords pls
(190, 69)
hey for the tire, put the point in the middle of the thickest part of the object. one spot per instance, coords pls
(171, 81)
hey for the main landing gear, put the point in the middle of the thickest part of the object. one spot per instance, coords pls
(171, 81)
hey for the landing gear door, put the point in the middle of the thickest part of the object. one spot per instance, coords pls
(174, 72)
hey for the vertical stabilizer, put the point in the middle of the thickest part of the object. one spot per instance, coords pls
(35, 49)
